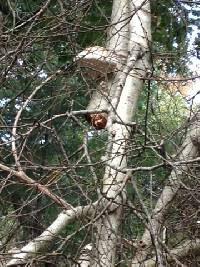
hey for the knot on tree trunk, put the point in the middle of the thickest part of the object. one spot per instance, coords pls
(195, 138)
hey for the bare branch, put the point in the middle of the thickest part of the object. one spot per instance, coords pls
(45, 239)
(32, 183)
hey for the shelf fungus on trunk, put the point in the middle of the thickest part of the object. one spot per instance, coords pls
(98, 60)
(99, 64)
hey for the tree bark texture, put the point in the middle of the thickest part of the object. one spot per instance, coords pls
(189, 150)
(130, 36)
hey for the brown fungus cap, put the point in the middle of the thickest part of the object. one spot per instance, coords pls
(98, 121)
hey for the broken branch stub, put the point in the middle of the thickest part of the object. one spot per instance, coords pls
(100, 63)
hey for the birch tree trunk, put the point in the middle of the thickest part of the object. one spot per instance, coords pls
(130, 35)
(189, 150)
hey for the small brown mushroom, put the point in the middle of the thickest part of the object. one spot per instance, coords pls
(99, 121)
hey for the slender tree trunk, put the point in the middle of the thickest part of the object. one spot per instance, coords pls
(188, 151)
(130, 35)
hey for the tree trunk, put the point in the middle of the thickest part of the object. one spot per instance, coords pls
(129, 38)
(130, 33)
(189, 150)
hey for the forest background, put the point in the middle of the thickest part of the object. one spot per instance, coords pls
(73, 194)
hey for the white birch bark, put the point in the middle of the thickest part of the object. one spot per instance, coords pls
(130, 23)
(127, 86)
(189, 150)
(84, 259)
(183, 250)
(44, 240)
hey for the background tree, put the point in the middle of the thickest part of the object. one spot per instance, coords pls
(72, 195)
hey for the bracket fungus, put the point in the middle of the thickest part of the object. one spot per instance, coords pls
(100, 63)
(98, 60)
